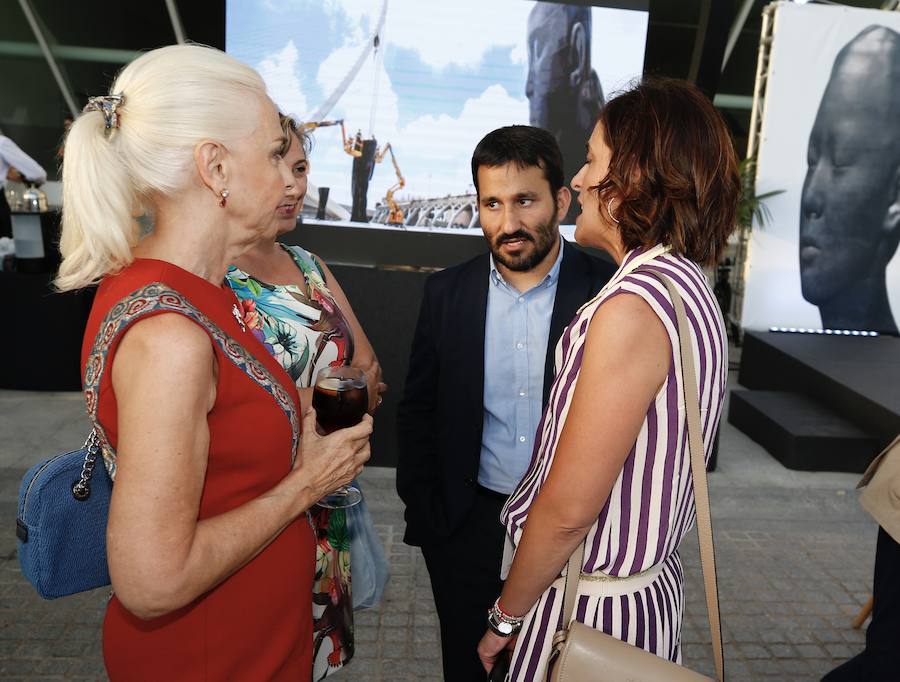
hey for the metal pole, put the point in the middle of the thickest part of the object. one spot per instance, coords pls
(379, 58)
(176, 21)
(762, 74)
(699, 39)
(759, 93)
(68, 52)
(30, 16)
(736, 29)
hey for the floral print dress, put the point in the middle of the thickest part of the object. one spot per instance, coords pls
(303, 327)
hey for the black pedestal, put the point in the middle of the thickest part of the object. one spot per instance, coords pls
(800, 432)
(41, 334)
(819, 402)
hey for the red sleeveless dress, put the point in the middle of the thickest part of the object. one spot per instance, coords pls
(255, 625)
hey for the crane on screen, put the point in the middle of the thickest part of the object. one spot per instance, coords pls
(364, 150)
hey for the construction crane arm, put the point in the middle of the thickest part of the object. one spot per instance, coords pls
(312, 125)
(400, 179)
(395, 213)
(379, 157)
(350, 145)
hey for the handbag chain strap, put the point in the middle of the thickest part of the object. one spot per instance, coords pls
(701, 496)
(81, 489)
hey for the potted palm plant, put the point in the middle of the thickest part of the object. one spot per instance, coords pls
(751, 208)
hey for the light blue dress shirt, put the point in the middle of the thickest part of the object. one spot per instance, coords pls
(515, 349)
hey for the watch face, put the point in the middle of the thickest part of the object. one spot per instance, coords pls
(505, 628)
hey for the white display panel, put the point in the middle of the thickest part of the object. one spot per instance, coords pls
(848, 200)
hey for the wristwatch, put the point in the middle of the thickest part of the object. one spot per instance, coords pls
(501, 623)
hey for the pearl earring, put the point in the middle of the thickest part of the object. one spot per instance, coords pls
(223, 197)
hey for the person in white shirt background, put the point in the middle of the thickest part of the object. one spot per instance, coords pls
(15, 165)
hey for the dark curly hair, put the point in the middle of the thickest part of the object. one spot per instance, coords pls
(673, 172)
(525, 146)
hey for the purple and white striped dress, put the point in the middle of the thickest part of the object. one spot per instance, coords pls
(651, 505)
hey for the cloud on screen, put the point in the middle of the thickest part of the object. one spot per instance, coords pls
(458, 71)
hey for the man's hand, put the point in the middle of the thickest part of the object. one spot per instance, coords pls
(14, 175)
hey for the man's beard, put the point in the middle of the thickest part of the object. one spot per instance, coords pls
(543, 241)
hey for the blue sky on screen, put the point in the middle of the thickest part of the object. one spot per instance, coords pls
(447, 74)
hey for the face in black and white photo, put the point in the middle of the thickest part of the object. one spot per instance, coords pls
(850, 206)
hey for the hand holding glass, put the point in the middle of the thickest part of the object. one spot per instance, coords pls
(340, 399)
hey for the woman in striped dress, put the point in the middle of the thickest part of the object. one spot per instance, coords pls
(658, 192)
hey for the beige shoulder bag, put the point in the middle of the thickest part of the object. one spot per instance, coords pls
(579, 651)
(881, 494)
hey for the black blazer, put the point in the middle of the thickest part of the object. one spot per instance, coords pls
(440, 417)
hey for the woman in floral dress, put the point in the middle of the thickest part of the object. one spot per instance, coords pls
(292, 303)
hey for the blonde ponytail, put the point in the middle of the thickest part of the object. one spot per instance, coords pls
(175, 97)
(98, 195)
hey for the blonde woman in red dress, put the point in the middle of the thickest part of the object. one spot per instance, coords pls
(210, 549)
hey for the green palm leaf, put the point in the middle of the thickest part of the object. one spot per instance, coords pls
(751, 205)
(254, 287)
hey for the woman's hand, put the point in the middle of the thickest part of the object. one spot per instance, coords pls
(363, 353)
(375, 385)
(328, 462)
(491, 645)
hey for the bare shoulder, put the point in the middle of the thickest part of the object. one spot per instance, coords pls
(166, 345)
(628, 314)
(626, 325)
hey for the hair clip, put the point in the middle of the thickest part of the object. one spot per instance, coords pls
(106, 105)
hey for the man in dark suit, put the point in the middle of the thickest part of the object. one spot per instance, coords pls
(479, 375)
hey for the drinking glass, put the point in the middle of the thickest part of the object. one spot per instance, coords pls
(340, 398)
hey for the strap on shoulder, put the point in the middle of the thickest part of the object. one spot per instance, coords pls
(701, 491)
(155, 298)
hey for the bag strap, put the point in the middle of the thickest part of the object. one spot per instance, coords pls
(698, 474)
(701, 493)
(155, 298)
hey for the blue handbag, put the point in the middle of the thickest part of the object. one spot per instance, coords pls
(61, 522)
(63, 503)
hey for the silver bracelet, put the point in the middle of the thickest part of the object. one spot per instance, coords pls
(502, 624)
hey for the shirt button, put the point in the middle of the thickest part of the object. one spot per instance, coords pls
(522, 394)
(521, 439)
(521, 299)
(520, 345)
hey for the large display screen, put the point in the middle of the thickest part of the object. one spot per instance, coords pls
(430, 78)
(831, 144)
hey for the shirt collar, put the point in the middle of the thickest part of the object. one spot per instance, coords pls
(549, 279)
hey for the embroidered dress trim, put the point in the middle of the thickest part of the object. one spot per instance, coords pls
(157, 297)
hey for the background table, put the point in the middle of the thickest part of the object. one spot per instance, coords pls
(41, 332)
